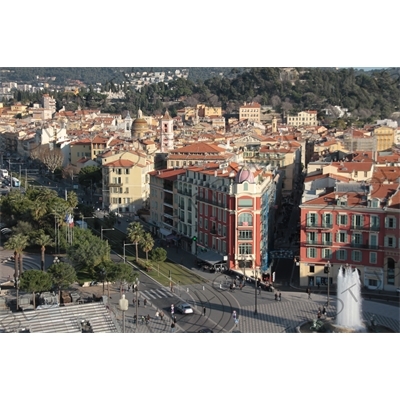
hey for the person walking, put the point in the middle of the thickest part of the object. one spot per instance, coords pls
(276, 296)
(174, 319)
(309, 293)
(324, 311)
(157, 314)
(172, 327)
(161, 315)
(145, 302)
(138, 302)
(280, 296)
(204, 311)
(234, 314)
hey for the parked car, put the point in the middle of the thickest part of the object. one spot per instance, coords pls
(184, 308)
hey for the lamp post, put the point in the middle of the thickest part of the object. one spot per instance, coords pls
(123, 306)
(255, 288)
(327, 270)
(17, 287)
(105, 229)
(136, 303)
(127, 244)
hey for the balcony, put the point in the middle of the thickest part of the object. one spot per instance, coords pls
(317, 243)
(319, 226)
(115, 184)
(358, 227)
(211, 202)
(359, 245)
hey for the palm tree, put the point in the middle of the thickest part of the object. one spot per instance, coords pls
(135, 234)
(72, 199)
(43, 241)
(147, 243)
(17, 243)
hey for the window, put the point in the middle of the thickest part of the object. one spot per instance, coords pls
(341, 255)
(341, 237)
(390, 271)
(245, 203)
(373, 257)
(327, 238)
(312, 219)
(328, 220)
(246, 235)
(356, 256)
(373, 241)
(244, 248)
(205, 223)
(357, 238)
(311, 268)
(311, 237)
(390, 222)
(326, 253)
(374, 222)
(245, 219)
(311, 252)
(206, 210)
(342, 219)
(390, 241)
(357, 221)
(374, 203)
(200, 222)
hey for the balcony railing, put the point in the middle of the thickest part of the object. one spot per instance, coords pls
(359, 245)
(319, 226)
(318, 243)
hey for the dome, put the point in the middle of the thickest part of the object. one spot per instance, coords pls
(245, 175)
(139, 127)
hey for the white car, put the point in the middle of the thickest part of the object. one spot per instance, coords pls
(184, 308)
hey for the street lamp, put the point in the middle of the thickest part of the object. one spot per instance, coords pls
(123, 306)
(105, 229)
(127, 244)
(327, 270)
(255, 289)
(136, 303)
(17, 287)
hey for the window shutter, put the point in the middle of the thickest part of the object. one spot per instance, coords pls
(337, 237)
(386, 241)
(386, 222)
(337, 219)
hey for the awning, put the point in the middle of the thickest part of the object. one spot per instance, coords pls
(165, 232)
(210, 257)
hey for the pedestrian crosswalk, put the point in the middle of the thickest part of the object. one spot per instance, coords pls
(156, 294)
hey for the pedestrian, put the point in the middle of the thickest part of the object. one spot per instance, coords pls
(204, 311)
(280, 296)
(309, 293)
(324, 311)
(145, 302)
(147, 319)
(175, 319)
(157, 314)
(234, 314)
(276, 296)
(138, 302)
(161, 315)
(172, 327)
(134, 301)
(319, 313)
(259, 290)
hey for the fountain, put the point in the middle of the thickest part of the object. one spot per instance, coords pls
(349, 313)
(349, 309)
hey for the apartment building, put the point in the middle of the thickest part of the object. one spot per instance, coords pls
(250, 111)
(355, 224)
(125, 180)
(223, 212)
(303, 118)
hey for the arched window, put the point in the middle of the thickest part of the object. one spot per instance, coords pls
(390, 271)
(245, 219)
(245, 186)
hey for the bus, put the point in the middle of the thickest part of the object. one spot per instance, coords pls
(15, 182)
